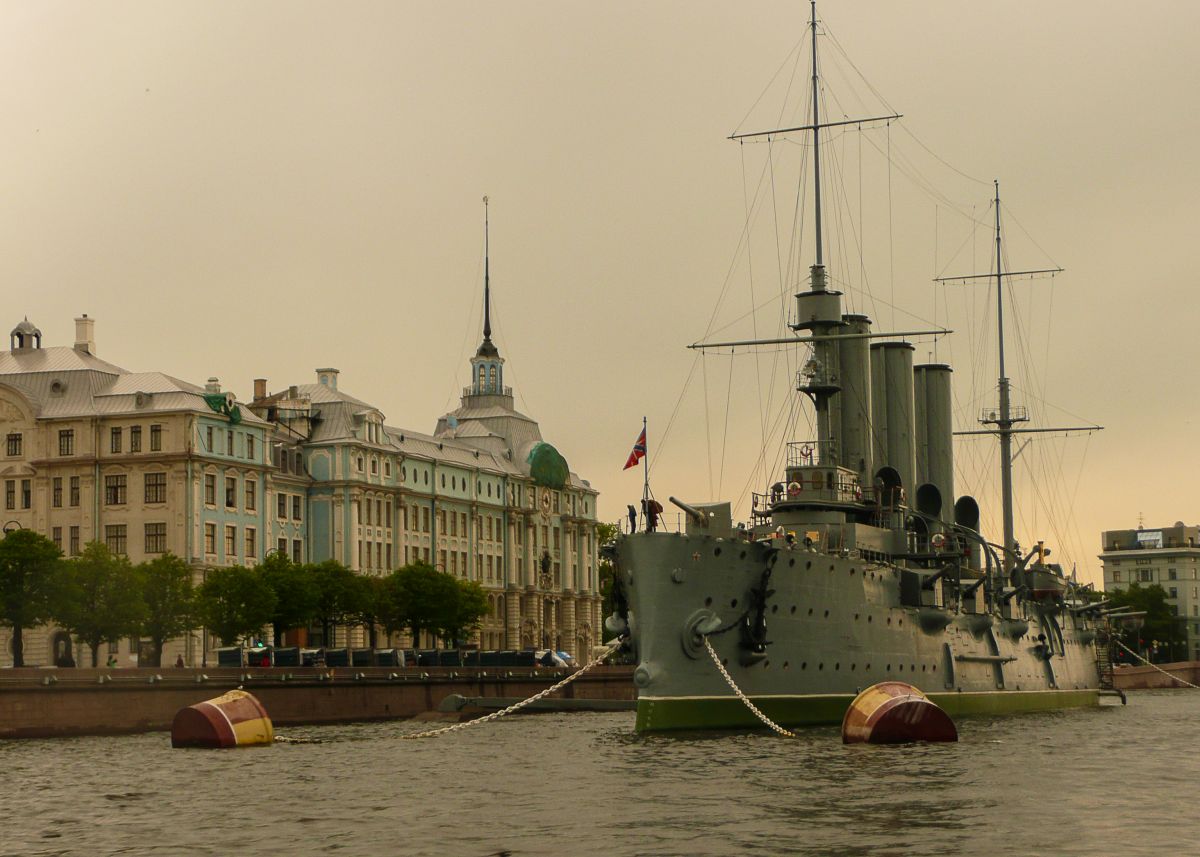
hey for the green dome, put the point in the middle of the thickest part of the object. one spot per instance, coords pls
(547, 466)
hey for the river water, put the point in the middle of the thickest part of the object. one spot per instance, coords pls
(1101, 781)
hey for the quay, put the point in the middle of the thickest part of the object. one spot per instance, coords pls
(1149, 678)
(42, 703)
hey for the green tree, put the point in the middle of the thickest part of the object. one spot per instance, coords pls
(295, 593)
(97, 597)
(1162, 633)
(391, 610)
(338, 595)
(605, 533)
(370, 605)
(421, 598)
(170, 598)
(27, 565)
(463, 610)
(235, 602)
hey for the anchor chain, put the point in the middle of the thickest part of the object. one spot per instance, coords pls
(753, 708)
(496, 715)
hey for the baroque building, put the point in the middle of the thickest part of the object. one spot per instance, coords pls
(483, 498)
(149, 464)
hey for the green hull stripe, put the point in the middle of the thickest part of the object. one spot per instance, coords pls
(721, 712)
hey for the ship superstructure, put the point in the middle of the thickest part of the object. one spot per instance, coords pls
(860, 563)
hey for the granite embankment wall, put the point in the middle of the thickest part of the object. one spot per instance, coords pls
(38, 703)
(1145, 677)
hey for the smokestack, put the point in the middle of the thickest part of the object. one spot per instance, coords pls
(935, 433)
(260, 388)
(892, 406)
(85, 334)
(854, 400)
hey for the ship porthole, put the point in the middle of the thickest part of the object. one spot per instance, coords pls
(810, 611)
(804, 665)
(793, 609)
(820, 666)
(733, 603)
(808, 564)
(708, 601)
(786, 665)
(774, 608)
(837, 666)
(868, 617)
(716, 551)
(826, 614)
(792, 563)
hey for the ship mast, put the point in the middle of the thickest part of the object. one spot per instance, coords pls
(1004, 421)
(816, 124)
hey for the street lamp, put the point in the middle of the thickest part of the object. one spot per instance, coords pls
(9, 526)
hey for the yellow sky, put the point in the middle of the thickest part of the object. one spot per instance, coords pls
(247, 190)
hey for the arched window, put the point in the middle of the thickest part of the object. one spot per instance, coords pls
(482, 377)
(492, 379)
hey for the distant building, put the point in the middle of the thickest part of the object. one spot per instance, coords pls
(1167, 556)
(140, 461)
(149, 464)
(483, 498)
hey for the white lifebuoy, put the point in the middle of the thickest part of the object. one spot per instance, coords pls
(938, 541)
(794, 489)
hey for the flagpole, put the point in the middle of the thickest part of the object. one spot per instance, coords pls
(646, 465)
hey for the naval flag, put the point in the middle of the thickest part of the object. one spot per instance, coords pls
(639, 451)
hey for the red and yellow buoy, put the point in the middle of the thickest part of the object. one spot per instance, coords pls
(234, 719)
(893, 712)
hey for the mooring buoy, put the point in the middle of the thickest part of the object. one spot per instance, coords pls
(894, 712)
(234, 719)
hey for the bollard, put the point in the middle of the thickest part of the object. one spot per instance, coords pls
(893, 712)
(234, 719)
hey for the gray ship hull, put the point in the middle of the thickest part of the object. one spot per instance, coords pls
(835, 624)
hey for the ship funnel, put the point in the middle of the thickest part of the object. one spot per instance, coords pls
(966, 515)
(892, 406)
(934, 429)
(854, 400)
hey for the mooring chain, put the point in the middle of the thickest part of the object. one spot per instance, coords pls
(1147, 663)
(495, 715)
(753, 708)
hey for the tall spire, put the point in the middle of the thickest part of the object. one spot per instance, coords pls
(486, 348)
(487, 290)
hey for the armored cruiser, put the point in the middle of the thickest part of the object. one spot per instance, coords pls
(860, 564)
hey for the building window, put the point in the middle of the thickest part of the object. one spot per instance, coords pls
(13, 444)
(229, 442)
(250, 446)
(1146, 575)
(387, 468)
(281, 503)
(230, 492)
(26, 493)
(251, 543)
(208, 437)
(74, 499)
(358, 463)
(135, 438)
(1173, 592)
(114, 538)
(1172, 574)
(210, 539)
(424, 520)
(66, 442)
(388, 522)
(73, 549)
(441, 560)
(374, 466)
(230, 542)
(296, 507)
(56, 492)
(56, 537)
(281, 546)
(155, 438)
(156, 487)
(1116, 576)
(114, 490)
(115, 440)
(210, 489)
(156, 538)
(297, 556)
(251, 495)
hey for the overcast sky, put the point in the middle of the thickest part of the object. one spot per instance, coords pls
(258, 189)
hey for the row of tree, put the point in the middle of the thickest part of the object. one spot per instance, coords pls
(100, 597)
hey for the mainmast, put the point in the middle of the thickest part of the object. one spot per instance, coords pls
(816, 123)
(1004, 421)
